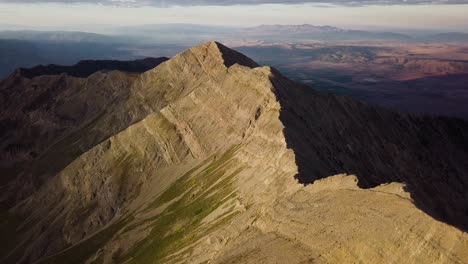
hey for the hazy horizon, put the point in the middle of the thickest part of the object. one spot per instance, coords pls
(101, 17)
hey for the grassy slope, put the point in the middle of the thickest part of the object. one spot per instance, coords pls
(194, 196)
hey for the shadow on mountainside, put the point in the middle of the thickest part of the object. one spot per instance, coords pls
(87, 67)
(331, 135)
(69, 118)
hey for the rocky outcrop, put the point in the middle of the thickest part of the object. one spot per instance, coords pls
(59, 117)
(331, 135)
(195, 161)
(335, 221)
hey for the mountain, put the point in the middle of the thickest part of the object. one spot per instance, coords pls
(450, 37)
(175, 28)
(188, 34)
(60, 36)
(304, 28)
(176, 33)
(88, 67)
(311, 32)
(209, 157)
(16, 53)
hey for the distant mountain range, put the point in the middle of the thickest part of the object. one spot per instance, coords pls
(60, 36)
(26, 48)
(447, 37)
(17, 53)
(306, 31)
(189, 34)
(303, 32)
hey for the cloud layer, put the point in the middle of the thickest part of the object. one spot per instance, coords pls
(165, 3)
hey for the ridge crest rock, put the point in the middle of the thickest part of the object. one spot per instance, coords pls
(216, 51)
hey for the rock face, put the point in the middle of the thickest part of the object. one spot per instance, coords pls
(203, 159)
(58, 117)
(332, 135)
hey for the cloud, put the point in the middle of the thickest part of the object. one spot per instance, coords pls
(166, 3)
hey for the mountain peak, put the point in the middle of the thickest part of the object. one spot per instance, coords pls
(216, 52)
(185, 156)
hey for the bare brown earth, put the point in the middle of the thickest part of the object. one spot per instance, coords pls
(408, 77)
(198, 160)
(390, 60)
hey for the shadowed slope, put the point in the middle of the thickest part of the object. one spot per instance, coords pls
(331, 134)
(87, 67)
(51, 117)
(232, 57)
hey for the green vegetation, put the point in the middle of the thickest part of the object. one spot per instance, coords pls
(178, 188)
(181, 222)
(193, 197)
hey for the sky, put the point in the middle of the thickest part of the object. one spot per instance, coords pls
(97, 15)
